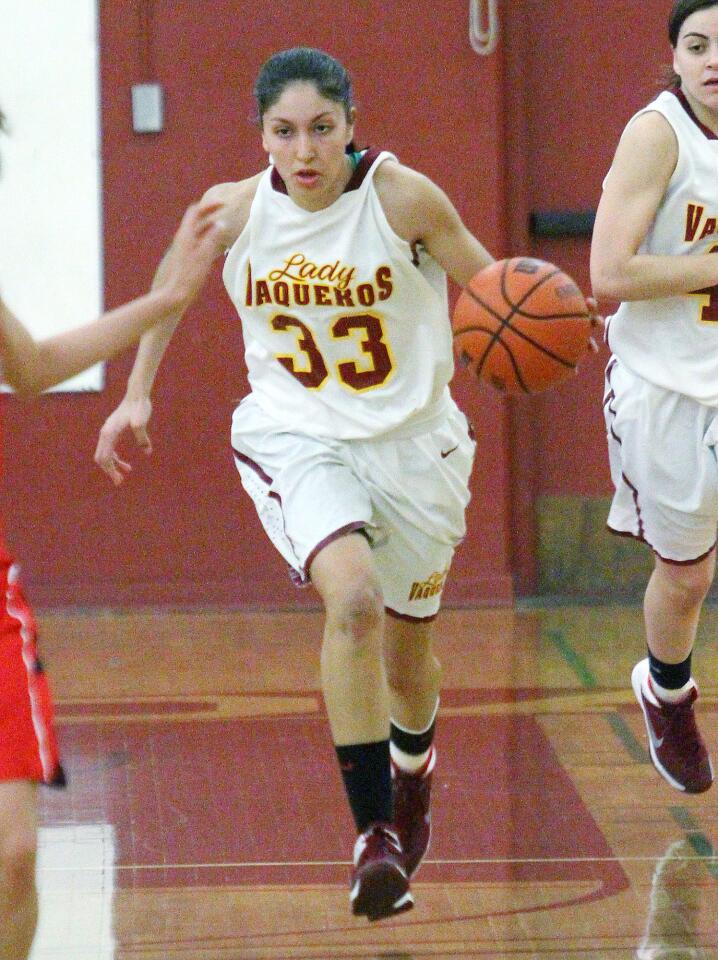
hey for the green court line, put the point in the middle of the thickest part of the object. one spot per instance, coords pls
(624, 733)
(697, 839)
(573, 658)
(582, 670)
(684, 818)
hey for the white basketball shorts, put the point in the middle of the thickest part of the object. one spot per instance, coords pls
(661, 447)
(407, 495)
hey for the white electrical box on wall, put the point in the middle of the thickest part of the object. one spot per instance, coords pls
(147, 108)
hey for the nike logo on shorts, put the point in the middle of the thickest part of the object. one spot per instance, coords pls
(445, 453)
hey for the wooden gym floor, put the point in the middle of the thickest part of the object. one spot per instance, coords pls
(205, 819)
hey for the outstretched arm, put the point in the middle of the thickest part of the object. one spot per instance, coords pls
(233, 202)
(30, 366)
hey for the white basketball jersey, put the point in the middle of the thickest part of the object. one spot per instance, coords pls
(673, 341)
(346, 329)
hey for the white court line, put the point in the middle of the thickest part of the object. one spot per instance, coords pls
(223, 865)
(76, 907)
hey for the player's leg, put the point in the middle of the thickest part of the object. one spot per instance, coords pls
(414, 677)
(672, 607)
(423, 504)
(663, 682)
(664, 469)
(352, 668)
(355, 694)
(413, 671)
(28, 755)
(18, 842)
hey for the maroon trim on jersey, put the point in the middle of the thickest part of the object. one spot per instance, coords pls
(362, 168)
(253, 466)
(277, 183)
(357, 526)
(407, 619)
(641, 535)
(610, 396)
(634, 492)
(355, 181)
(298, 577)
(689, 110)
(677, 563)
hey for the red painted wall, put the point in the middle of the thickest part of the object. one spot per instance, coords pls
(578, 72)
(182, 531)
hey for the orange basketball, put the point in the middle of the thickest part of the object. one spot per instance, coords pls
(521, 325)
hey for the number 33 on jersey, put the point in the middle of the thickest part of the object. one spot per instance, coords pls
(345, 328)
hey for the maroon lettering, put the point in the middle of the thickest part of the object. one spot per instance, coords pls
(301, 294)
(365, 294)
(322, 295)
(343, 298)
(383, 281)
(694, 215)
(281, 293)
(262, 293)
(709, 228)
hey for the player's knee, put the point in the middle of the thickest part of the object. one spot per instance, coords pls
(17, 867)
(688, 584)
(359, 613)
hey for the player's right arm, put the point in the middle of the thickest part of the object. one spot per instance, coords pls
(634, 188)
(135, 409)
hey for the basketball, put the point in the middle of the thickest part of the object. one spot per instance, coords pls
(521, 325)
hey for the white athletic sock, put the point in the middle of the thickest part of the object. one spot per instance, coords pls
(670, 696)
(411, 762)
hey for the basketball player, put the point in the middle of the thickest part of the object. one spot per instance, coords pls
(349, 444)
(28, 747)
(654, 249)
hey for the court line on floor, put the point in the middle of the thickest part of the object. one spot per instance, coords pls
(695, 835)
(345, 863)
(580, 667)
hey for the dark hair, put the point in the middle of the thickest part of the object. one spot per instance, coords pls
(681, 10)
(305, 64)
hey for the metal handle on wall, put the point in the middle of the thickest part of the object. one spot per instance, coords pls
(483, 26)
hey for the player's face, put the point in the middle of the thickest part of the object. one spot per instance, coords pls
(695, 60)
(306, 135)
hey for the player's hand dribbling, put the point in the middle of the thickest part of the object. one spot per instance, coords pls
(133, 415)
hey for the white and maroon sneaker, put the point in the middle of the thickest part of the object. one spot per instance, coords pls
(412, 810)
(676, 747)
(379, 881)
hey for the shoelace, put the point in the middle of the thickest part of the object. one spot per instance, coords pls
(385, 842)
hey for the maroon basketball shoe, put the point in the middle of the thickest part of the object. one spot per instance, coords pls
(676, 747)
(412, 811)
(379, 882)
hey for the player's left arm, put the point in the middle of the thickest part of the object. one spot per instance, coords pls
(420, 212)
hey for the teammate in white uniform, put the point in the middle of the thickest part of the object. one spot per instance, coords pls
(355, 454)
(654, 248)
